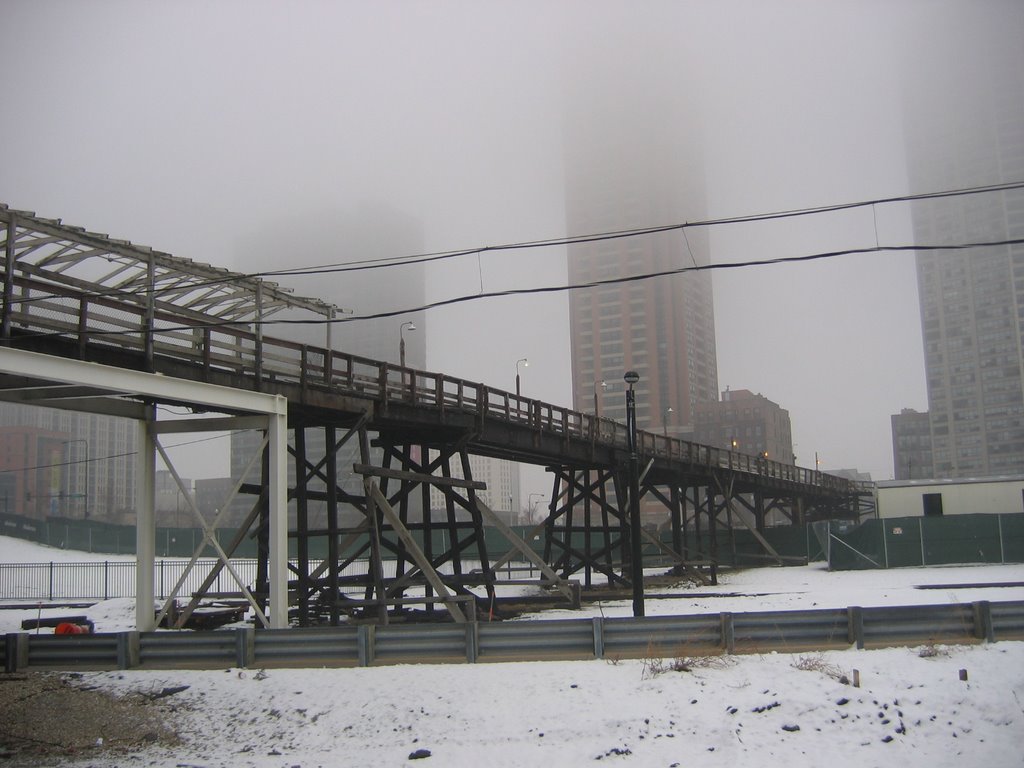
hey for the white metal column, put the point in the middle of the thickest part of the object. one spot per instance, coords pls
(110, 381)
(278, 502)
(145, 527)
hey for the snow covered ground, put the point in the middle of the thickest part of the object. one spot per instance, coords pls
(912, 707)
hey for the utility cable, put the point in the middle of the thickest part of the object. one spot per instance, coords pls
(388, 262)
(548, 289)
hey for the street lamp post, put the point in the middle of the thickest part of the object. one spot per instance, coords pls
(597, 403)
(526, 364)
(85, 496)
(532, 504)
(401, 340)
(664, 421)
(637, 576)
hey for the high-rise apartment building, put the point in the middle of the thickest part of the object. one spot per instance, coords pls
(633, 162)
(972, 301)
(502, 495)
(912, 445)
(67, 464)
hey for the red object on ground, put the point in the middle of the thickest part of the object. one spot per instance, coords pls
(67, 628)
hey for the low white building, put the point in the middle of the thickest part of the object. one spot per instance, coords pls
(962, 496)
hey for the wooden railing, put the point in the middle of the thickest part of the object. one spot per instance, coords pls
(39, 307)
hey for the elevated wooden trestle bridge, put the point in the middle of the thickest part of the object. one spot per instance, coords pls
(90, 323)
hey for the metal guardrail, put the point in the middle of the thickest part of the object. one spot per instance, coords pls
(40, 306)
(576, 639)
(1008, 618)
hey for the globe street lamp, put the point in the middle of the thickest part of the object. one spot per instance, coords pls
(664, 421)
(401, 340)
(637, 576)
(525, 363)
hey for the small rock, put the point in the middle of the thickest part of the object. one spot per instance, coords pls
(419, 754)
(843, 701)
(791, 728)
(887, 739)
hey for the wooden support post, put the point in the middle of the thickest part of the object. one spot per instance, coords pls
(375, 499)
(526, 550)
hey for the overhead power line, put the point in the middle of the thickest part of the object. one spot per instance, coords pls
(400, 261)
(560, 288)
(649, 276)
(386, 262)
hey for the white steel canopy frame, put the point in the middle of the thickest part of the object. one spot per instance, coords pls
(244, 410)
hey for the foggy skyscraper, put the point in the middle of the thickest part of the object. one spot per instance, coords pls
(972, 302)
(635, 162)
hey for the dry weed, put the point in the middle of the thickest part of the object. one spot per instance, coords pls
(656, 663)
(817, 663)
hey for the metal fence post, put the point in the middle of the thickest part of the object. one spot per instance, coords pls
(855, 626)
(51, 580)
(16, 651)
(11, 652)
(728, 633)
(245, 646)
(598, 637)
(364, 642)
(472, 641)
(983, 629)
(885, 543)
(127, 650)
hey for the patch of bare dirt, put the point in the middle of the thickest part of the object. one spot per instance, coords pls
(51, 715)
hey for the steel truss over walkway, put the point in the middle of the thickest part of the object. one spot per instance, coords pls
(369, 440)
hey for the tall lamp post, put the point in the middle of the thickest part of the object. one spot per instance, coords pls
(532, 504)
(637, 577)
(85, 496)
(526, 364)
(664, 421)
(597, 403)
(401, 340)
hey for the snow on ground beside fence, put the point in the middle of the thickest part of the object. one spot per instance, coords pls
(754, 589)
(814, 586)
(14, 550)
(912, 708)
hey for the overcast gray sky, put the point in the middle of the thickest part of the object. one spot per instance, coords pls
(187, 126)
